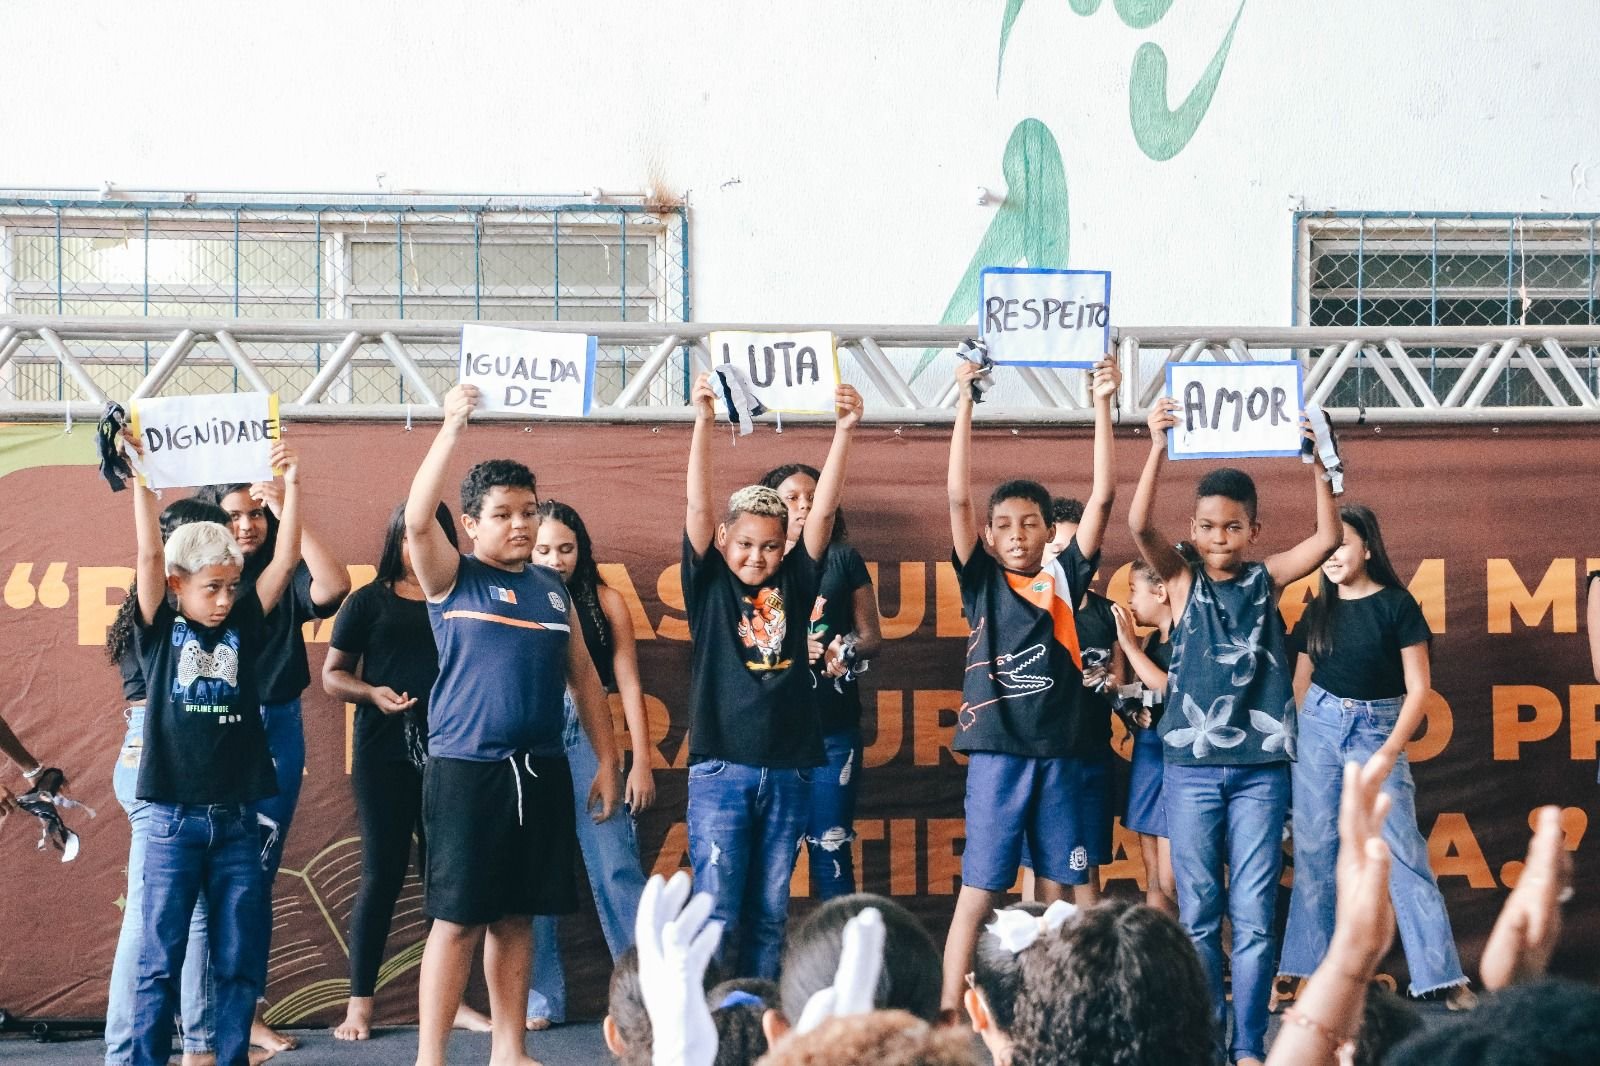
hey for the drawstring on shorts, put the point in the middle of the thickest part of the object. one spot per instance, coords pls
(516, 777)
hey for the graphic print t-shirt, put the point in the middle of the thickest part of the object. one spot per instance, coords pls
(834, 615)
(1229, 698)
(203, 738)
(750, 690)
(1023, 689)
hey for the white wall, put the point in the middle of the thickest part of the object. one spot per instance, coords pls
(831, 150)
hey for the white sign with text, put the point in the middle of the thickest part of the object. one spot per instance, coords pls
(529, 371)
(206, 440)
(1234, 410)
(1037, 317)
(795, 373)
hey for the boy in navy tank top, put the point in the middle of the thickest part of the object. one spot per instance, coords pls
(497, 797)
(1229, 726)
(755, 736)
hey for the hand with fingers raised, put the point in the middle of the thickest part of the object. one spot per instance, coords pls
(676, 939)
(855, 983)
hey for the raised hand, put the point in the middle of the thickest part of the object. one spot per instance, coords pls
(286, 459)
(856, 981)
(849, 406)
(1106, 380)
(459, 403)
(1529, 925)
(676, 941)
(1364, 920)
(966, 374)
(704, 398)
(1163, 416)
(269, 493)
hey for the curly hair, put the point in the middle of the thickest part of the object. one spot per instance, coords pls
(779, 474)
(1549, 1021)
(492, 474)
(881, 1038)
(1118, 985)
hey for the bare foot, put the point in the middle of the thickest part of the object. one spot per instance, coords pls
(536, 1025)
(1461, 997)
(268, 1039)
(473, 1021)
(260, 1055)
(357, 1024)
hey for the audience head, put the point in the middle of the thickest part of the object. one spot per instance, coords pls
(1385, 1021)
(1120, 983)
(912, 964)
(991, 998)
(737, 1009)
(1549, 1021)
(881, 1038)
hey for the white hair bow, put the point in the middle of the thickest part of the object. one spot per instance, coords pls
(1018, 930)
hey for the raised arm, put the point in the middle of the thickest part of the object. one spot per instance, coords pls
(433, 557)
(848, 410)
(275, 578)
(700, 521)
(594, 714)
(958, 482)
(1303, 558)
(1144, 668)
(640, 791)
(1155, 546)
(330, 581)
(150, 569)
(1097, 508)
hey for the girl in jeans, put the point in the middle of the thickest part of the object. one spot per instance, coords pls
(1363, 674)
(198, 1026)
(610, 851)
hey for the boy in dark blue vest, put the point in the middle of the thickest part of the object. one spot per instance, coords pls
(1228, 730)
(497, 792)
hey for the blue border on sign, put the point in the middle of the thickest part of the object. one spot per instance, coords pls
(588, 375)
(1073, 364)
(1300, 403)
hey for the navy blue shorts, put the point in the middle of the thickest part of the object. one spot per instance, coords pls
(1147, 813)
(1059, 809)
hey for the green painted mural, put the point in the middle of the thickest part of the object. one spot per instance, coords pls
(1031, 225)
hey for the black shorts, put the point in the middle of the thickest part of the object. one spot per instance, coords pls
(491, 852)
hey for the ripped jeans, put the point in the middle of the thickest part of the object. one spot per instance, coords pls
(746, 824)
(830, 828)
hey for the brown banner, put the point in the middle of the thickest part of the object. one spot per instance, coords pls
(1490, 526)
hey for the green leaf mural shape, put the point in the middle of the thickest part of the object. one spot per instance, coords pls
(1141, 14)
(1081, 7)
(1160, 131)
(1030, 227)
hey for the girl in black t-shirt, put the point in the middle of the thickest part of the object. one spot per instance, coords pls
(1363, 673)
(844, 634)
(382, 659)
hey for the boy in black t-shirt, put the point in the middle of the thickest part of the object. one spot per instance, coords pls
(205, 765)
(754, 734)
(1036, 755)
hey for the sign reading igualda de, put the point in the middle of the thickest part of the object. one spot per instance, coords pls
(795, 373)
(1040, 317)
(206, 440)
(529, 371)
(1234, 410)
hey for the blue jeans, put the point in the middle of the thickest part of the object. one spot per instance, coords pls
(193, 851)
(198, 1024)
(745, 828)
(1334, 731)
(1230, 817)
(831, 825)
(286, 741)
(611, 856)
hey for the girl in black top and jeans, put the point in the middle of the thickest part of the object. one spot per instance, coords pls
(382, 658)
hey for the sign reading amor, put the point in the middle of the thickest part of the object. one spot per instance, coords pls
(1234, 410)
(795, 373)
(206, 440)
(529, 371)
(1037, 317)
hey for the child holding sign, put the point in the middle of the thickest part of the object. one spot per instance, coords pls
(755, 738)
(1035, 739)
(497, 798)
(1228, 731)
(204, 764)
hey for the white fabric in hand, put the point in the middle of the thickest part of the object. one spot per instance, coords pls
(675, 944)
(855, 983)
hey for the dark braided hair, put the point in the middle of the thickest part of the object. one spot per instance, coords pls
(177, 513)
(585, 582)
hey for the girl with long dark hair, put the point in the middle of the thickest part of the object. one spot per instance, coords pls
(844, 634)
(610, 850)
(382, 658)
(1363, 675)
